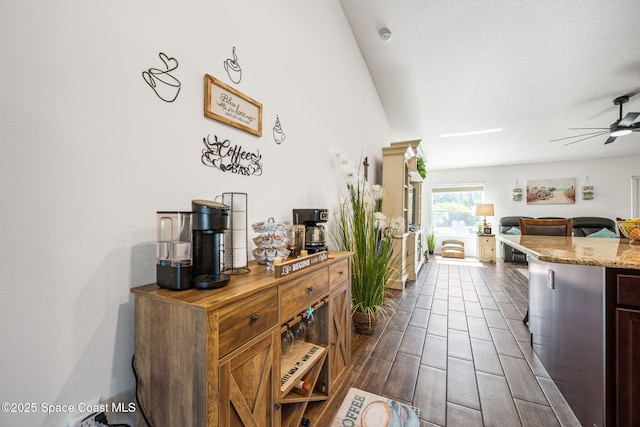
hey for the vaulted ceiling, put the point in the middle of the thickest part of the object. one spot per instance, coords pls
(534, 68)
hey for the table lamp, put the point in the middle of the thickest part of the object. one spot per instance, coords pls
(484, 210)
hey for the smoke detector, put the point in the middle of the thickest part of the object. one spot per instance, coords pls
(385, 34)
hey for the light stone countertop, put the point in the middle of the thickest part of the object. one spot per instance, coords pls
(605, 252)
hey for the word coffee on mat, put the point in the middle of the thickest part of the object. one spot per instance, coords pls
(363, 409)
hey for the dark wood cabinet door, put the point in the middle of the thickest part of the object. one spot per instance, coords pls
(628, 367)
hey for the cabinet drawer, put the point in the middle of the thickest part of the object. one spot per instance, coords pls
(629, 290)
(486, 240)
(244, 319)
(338, 273)
(297, 294)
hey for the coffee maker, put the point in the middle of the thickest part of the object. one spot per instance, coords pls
(210, 221)
(174, 264)
(314, 235)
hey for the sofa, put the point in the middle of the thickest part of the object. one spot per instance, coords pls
(582, 226)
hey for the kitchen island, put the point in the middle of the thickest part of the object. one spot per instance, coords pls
(584, 321)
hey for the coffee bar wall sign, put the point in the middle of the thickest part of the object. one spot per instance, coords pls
(227, 157)
(230, 106)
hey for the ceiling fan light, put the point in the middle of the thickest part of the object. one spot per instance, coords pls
(620, 132)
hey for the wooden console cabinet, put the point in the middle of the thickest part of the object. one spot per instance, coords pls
(213, 358)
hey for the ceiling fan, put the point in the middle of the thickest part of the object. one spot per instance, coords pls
(622, 126)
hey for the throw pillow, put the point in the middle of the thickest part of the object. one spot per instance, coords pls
(513, 230)
(603, 233)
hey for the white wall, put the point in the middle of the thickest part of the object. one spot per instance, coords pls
(610, 177)
(89, 153)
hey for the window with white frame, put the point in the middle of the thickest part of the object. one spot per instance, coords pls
(453, 209)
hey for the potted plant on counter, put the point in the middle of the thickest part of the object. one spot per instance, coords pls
(361, 228)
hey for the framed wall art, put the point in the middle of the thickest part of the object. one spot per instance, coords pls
(551, 191)
(230, 106)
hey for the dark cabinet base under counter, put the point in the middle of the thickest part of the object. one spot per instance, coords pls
(623, 348)
(566, 322)
(585, 329)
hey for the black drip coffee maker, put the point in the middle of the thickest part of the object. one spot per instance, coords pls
(210, 220)
(314, 235)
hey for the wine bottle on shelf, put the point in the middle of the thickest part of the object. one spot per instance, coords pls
(320, 388)
(302, 387)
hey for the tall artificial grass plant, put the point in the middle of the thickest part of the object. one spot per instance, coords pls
(361, 228)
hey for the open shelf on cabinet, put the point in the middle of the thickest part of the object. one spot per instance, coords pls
(294, 401)
(299, 362)
(307, 362)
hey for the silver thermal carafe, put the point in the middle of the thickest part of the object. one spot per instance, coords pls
(314, 234)
(210, 220)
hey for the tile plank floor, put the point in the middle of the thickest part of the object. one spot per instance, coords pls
(457, 349)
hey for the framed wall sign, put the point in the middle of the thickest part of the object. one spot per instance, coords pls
(230, 106)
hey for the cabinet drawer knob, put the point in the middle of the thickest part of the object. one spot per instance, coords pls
(277, 406)
(340, 273)
(254, 317)
(310, 289)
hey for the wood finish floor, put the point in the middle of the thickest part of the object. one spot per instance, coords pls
(457, 349)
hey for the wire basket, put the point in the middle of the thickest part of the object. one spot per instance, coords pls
(631, 230)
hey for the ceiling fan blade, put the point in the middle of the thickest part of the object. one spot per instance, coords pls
(592, 136)
(610, 140)
(585, 128)
(628, 120)
(600, 132)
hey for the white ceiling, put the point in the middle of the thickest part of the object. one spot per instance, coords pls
(532, 67)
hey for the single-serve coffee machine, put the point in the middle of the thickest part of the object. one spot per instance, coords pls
(314, 235)
(210, 221)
